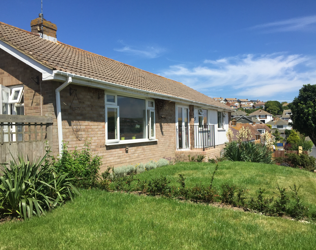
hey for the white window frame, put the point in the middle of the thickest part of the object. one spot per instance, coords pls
(149, 110)
(13, 90)
(117, 123)
(7, 90)
(110, 103)
(183, 107)
(223, 120)
(261, 131)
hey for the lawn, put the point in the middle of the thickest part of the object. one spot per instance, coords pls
(251, 176)
(102, 220)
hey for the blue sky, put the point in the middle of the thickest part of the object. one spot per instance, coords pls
(245, 49)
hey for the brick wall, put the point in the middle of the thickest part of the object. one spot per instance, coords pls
(83, 115)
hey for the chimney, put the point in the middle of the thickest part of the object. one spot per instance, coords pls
(46, 29)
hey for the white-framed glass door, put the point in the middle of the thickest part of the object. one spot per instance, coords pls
(183, 127)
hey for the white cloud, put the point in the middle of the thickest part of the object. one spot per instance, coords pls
(148, 52)
(248, 75)
(307, 23)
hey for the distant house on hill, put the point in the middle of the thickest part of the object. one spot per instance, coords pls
(262, 115)
(286, 116)
(259, 105)
(238, 113)
(280, 124)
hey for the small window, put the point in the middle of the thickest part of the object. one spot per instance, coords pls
(16, 95)
(279, 126)
(151, 104)
(220, 119)
(111, 99)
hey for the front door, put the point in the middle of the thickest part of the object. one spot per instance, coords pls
(183, 128)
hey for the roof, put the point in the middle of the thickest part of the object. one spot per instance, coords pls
(278, 122)
(259, 103)
(238, 113)
(231, 99)
(261, 126)
(285, 115)
(238, 126)
(260, 112)
(243, 100)
(66, 58)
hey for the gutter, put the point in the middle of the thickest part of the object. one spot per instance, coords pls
(96, 83)
(58, 109)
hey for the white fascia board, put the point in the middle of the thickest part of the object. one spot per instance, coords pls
(46, 72)
(90, 82)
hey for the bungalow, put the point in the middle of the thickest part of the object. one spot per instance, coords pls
(280, 124)
(128, 114)
(262, 115)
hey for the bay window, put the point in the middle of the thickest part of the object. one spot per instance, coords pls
(129, 118)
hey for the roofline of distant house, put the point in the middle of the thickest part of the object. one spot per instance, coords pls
(50, 74)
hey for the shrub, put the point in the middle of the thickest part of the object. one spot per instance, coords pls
(150, 165)
(158, 185)
(29, 188)
(248, 151)
(79, 165)
(200, 158)
(301, 161)
(140, 168)
(162, 162)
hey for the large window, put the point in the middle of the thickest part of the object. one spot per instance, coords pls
(220, 119)
(129, 118)
(202, 117)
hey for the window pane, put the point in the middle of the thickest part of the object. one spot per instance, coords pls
(152, 125)
(132, 118)
(16, 94)
(112, 123)
(110, 98)
(219, 119)
(180, 127)
(20, 110)
(5, 109)
(150, 104)
(5, 96)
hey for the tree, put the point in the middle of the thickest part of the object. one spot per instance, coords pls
(304, 112)
(293, 138)
(273, 107)
(277, 136)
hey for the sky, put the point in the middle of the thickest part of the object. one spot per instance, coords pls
(244, 49)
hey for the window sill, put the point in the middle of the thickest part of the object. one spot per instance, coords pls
(221, 129)
(129, 142)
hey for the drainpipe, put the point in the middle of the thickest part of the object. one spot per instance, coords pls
(58, 109)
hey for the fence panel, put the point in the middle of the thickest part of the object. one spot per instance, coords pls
(27, 136)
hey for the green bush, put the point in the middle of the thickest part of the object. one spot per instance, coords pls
(29, 188)
(80, 165)
(301, 161)
(248, 151)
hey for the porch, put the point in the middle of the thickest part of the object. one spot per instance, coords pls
(194, 140)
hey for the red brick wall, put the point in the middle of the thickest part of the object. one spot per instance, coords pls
(83, 114)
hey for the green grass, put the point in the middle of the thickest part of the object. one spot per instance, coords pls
(100, 220)
(251, 176)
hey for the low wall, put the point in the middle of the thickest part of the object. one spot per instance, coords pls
(209, 153)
